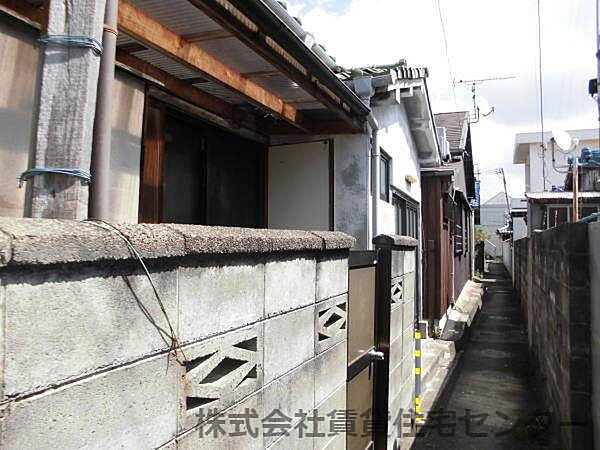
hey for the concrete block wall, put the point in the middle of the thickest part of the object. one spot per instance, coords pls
(402, 345)
(554, 286)
(85, 347)
(594, 241)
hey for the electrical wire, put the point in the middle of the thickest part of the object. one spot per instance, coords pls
(447, 54)
(543, 146)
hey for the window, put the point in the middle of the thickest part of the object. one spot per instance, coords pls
(458, 230)
(407, 216)
(385, 171)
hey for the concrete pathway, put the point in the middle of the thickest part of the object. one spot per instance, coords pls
(490, 401)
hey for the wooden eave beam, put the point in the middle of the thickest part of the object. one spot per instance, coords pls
(23, 10)
(184, 90)
(153, 34)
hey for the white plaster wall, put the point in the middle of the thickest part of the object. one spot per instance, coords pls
(298, 185)
(395, 139)
(594, 239)
(352, 187)
(519, 228)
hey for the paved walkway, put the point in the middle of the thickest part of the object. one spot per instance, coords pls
(492, 383)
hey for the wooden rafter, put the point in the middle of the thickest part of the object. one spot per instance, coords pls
(153, 34)
(208, 36)
(23, 9)
(184, 90)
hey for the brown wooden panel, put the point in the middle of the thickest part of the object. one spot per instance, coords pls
(152, 164)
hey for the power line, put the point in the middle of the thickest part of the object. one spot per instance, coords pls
(543, 146)
(447, 54)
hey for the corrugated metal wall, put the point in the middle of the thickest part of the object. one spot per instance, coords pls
(18, 74)
(18, 77)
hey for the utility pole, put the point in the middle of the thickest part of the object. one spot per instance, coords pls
(64, 118)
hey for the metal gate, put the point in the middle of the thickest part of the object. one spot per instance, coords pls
(378, 287)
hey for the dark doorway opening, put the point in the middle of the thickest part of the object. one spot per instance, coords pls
(195, 173)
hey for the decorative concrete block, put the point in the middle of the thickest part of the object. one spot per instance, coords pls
(289, 341)
(331, 409)
(130, 407)
(220, 372)
(228, 430)
(330, 371)
(332, 276)
(330, 323)
(288, 396)
(68, 323)
(397, 290)
(220, 296)
(290, 283)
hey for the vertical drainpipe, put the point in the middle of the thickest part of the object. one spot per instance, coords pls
(363, 86)
(100, 187)
(375, 173)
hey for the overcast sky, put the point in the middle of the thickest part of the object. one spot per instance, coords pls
(485, 39)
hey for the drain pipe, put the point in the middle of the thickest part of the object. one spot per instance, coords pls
(375, 173)
(100, 168)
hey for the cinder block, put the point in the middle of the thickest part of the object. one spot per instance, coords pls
(220, 433)
(330, 371)
(397, 263)
(396, 353)
(130, 407)
(409, 261)
(332, 276)
(396, 318)
(401, 393)
(289, 341)
(331, 320)
(289, 284)
(330, 409)
(408, 312)
(288, 396)
(62, 324)
(220, 372)
(218, 297)
(409, 286)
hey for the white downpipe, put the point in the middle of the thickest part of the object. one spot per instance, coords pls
(375, 174)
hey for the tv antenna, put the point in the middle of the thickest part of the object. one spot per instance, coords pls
(476, 114)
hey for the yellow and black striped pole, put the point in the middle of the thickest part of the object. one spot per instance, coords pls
(419, 420)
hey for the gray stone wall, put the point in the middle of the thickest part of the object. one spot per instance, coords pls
(260, 317)
(594, 236)
(402, 345)
(554, 286)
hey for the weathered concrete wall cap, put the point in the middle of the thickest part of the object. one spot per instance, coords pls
(394, 240)
(50, 241)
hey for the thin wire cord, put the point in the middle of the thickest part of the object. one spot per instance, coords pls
(172, 336)
(447, 54)
(539, 18)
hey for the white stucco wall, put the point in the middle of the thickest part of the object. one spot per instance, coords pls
(395, 139)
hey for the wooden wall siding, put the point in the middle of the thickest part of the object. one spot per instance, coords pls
(438, 261)
(152, 164)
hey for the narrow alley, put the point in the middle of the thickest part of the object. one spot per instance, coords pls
(490, 400)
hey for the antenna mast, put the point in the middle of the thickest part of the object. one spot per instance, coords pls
(475, 115)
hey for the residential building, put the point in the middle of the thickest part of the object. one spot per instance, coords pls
(539, 164)
(224, 114)
(448, 220)
(493, 215)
